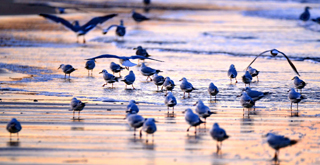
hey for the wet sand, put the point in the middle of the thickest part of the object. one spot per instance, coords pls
(199, 44)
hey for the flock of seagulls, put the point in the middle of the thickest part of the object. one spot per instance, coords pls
(248, 96)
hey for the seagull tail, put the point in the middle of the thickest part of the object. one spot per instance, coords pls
(202, 122)
(116, 78)
(292, 142)
(267, 93)
(70, 110)
(210, 112)
(158, 71)
(303, 97)
(226, 136)
(314, 20)
(194, 88)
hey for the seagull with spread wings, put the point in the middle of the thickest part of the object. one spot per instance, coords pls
(275, 52)
(125, 61)
(79, 30)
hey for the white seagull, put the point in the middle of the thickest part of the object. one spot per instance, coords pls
(14, 126)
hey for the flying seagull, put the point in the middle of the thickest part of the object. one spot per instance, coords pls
(275, 52)
(79, 30)
(125, 61)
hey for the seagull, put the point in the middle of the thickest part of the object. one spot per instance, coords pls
(192, 119)
(158, 80)
(147, 71)
(275, 52)
(14, 126)
(168, 84)
(80, 30)
(232, 73)
(253, 72)
(129, 79)
(213, 91)
(120, 31)
(125, 61)
(132, 107)
(90, 64)
(298, 83)
(141, 52)
(135, 121)
(149, 127)
(317, 20)
(305, 16)
(67, 69)
(277, 142)
(202, 110)
(255, 95)
(218, 134)
(246, 102)
(186, 87)
(109, 78)
(247, 78)
(76, 105)
(116, 68)
(295, 97)
(139, 17)
(170, 101)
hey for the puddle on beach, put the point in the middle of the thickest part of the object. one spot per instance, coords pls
(199, 45)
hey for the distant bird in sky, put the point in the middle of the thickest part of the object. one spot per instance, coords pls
(125, 61)
(139, 17)
(277, 142)
(79, 30)
(275, 52)
(14, 126)
(67, 69)
(305, 16)
(120, 30)
(90, 64)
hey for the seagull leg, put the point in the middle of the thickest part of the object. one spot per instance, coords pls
(291, 107)
(134, 132)
(65, 76)
(184, 94)
(173, 110)
(215, 99)
(157, 88)
(242, 111)
(10, 136)
(77, 39)
(125, 87)
(168, 110)
(162, 88)
(152, 138)
(73, 114)
(112, 86)
(147, 78)
(188, 129)
(133, 87)
(18, 135)
(140, 133)
(146, 138)
(119, 74)
(236, 80)
(257, 78)
(297, 107)
(230, 80)
(79, 115)
(84, 40)
(195, 130)
(188, 95)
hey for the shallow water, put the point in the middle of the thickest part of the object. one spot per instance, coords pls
(197, 44)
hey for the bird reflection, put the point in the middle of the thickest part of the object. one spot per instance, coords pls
(247, 125)
(13, 143)
(170, 116)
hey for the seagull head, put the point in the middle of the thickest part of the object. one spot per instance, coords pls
(232, 66)
(132, 101)
(168, 94)
(291, 90)
(295, 77)
(307, 8)
(121, 22)
(103, 71)
(268, 135)
(247, 89)
(183, 79)
(138, 48)
(187, 110)
(215, 125)
(61, 66)
(274, 52)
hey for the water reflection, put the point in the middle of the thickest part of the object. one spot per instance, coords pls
(77, 128)
(246, 125)
(13, 143)
(170, 118)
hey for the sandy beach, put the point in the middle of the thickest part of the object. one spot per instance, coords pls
(196, 40)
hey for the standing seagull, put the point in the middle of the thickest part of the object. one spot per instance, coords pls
(255, 95)
(298, 83)
(132, 107)
(277, 142)
(90, 64)
(253, 72)
(203, 110)
(213, 91)
(218, 134)
(120, 31)
(168, 84)
(192, 119)
(295, 97)
(76, 105)
(275, 52)
(141, 52)
(305, 16)
(129, 79)
(135, 121)
(247, 78)
(109, 78)
(116, 68)
(80, 30)
(67, 69)
(14, 126)
(158, 80)
(170, 101)
(246, 102)
(147, 71)
(149, 127)
(139, 17)
(186, 87)
(125, 61)
(232, 73)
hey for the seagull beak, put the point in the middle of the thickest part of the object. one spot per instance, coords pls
(134, 48)
(183, 112)
(292, 78)
(156, 121)
(195, 104)
(180, 80)
(100, 72)
(59, 67)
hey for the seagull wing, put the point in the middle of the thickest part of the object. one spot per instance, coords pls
(128, 63)
(60, 20)
(105, 31)
(291, 64)
(143, 58)
(257, 57)
(104, 56)
(96, 20)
